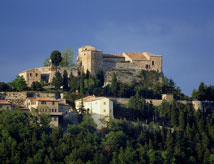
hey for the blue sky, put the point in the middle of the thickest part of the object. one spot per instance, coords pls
(182, 31)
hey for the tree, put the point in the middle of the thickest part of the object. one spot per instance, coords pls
(19, 84)
(56, 58)
(4, 86)
(57, 80)
(65, 80)
(67, 58)
(47, 62)
(36, 86)
(202, 92)
(114, 85)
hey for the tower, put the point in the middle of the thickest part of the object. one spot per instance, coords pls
(89, 59)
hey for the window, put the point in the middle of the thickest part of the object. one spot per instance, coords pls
(104, 110)
(30, 74)
(43, 102)
(147, 66)
(0, 106)
(53, 103)
(153, 62)
(104, 103)
(36, 74)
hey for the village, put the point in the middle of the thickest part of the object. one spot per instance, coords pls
(98, 107)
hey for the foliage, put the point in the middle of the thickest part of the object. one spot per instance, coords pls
(4, 86)
(204, 92)
(36, 86)
(67, 58)
(24, 140)
(19, 84)
(55, 57)
(57, 81)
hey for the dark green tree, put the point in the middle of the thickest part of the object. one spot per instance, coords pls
(57, 81)
(36, 86)
(56, 58)
(114, 85)
(65, 80)
(19, 84)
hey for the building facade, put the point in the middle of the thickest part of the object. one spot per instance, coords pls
(94, 60)
(5, 105)
(44, 73)
(45, 105)
(100, 108)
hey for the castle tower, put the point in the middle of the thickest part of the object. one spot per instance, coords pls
(89, 59)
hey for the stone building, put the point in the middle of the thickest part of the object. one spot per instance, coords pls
(5, 105)
(91, 59)
(44, 73)
(46, 105)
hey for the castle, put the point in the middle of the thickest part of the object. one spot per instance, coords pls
(93, 60)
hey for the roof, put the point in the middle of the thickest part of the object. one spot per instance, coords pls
(113, 56)
(91, 98)
(42, 99)
(36, 69)
(94, 99)
(5, 102)
(85, 98)
(140, 56)
(136, 56)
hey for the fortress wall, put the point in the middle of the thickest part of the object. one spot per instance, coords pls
(108, 59)
(108, 65)
(135, 65)
(18, 98)
(123, 75)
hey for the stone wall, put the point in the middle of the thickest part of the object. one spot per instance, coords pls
(18, 98)
(123, 75)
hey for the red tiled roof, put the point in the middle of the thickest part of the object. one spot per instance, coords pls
(139, 56)
(136, 56)
(42, 99)
(4, 102)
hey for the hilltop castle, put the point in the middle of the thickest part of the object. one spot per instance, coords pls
(91, 59)
(127, 65)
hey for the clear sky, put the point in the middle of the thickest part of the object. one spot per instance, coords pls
(182, 31)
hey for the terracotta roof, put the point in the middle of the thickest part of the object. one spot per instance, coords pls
(94, 99)
(91, 98)
(4, 102)
(42, 99)
(85, 98)
(113, 56)
(139, 56)
(136, 56)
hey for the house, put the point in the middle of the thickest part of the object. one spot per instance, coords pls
(5, 105)
(46, 105)
(100, 108)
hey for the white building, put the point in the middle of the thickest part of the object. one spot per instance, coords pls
(46, 105)
(100, 108)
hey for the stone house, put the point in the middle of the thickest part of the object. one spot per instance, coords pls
(98, 107)
(45, 105)
(5, 105)
(44, 73)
